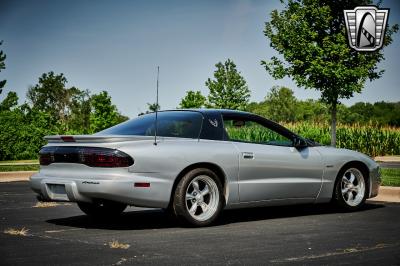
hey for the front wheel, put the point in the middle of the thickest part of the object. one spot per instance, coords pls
(351, 189)
(198, 197)
(102, 209)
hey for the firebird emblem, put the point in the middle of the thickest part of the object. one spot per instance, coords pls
(213, 122)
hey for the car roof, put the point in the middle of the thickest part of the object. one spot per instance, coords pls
(214, 113)
(235, 113)
(212, 110)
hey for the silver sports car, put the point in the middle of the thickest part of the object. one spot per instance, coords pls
(195, 163)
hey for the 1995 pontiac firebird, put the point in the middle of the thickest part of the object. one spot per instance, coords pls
(201, 162)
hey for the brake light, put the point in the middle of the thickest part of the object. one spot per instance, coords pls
(68, 138)
(90, 156)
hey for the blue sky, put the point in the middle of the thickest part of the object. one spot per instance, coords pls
(117, 45)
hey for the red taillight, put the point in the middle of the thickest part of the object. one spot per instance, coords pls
(67, 138)
(96, 157)
(90, 156)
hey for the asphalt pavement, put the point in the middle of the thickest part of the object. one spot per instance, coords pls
(307, 234)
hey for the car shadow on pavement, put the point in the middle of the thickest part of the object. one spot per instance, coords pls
(129, 220)
(159, 219)
(292, 211)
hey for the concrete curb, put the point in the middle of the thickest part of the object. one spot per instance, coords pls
(388, 194)
(16, 176)
(388, 159)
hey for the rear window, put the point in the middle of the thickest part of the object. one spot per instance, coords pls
(180, 124)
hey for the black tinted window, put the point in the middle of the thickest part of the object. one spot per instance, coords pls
(181, 124)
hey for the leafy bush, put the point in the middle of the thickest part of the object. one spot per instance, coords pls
(21, 133)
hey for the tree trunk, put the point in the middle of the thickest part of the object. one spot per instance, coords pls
(333, 124)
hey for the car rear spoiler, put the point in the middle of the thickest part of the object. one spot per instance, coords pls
(94, 138)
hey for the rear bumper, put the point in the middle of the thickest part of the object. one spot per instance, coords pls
(120, 189)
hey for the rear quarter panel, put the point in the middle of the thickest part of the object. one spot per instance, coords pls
(170, 157)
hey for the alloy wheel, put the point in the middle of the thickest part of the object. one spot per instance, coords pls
(202, 198)
(353, 187)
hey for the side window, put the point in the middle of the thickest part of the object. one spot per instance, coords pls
(253, 132)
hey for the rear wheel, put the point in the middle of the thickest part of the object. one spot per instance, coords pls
(103, 208)
(351, 188)
(198, 198)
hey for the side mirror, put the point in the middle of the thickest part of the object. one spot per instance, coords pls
(300, 143)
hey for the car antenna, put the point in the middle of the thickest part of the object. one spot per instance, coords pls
(155, 126)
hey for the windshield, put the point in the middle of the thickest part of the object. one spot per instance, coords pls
(181, 124)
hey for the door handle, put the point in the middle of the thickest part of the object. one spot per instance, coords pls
(248, 155)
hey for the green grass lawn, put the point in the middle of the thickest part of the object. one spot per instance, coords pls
(390, 177)
(19, 165)
(20, 161)
(9, 168)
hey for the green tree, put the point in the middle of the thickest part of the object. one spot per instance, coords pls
(311, 37)
(79, 120)
(9, 102)
(50, 95)
(385, 113)
(312, 110)
(281, 104)
(153, 107)
(228, 90)
(104, 113)
(193, 99)
(22, 130)
(2, 66)
(259, 108)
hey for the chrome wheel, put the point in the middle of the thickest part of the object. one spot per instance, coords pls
(353, 187)
(202, 198)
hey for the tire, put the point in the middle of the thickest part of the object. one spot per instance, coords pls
(102, 209)
(351, 188)
(198, 198)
